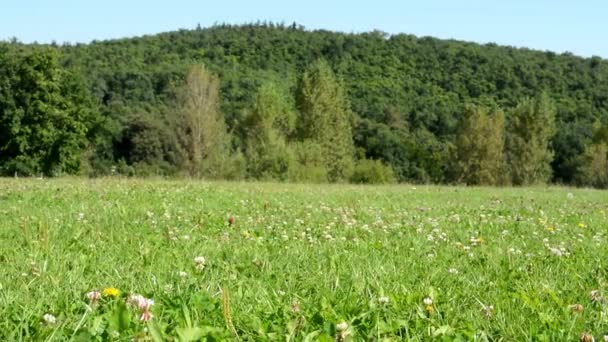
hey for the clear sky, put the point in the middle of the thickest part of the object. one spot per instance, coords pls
(578, 26)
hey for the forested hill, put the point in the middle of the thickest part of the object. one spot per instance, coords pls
(409, 94)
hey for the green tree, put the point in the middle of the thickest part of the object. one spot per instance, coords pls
(200, 126)
(594, 170)
(479, 157)
(45, 114)
(530, 129)
(369, 171)
(325, 119)
(267, 153)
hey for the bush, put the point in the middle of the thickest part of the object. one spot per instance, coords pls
(309, 165)
(369, 171)
(594, 171)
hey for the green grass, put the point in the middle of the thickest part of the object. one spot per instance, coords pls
(299, 260)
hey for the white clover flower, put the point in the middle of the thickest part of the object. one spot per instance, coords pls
(556, 251)
(49, 319)
(595, 296)
(453, 271)
(200, 262)
(146, 316)
(182, 274)
(140, 302)
(428, 301)
(488, 310)
(93, 296)
(342, 326)
(383, 300)
(137, 301)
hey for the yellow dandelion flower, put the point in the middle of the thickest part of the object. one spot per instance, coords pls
(111, 292)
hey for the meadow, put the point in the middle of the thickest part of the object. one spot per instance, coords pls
(128, 259)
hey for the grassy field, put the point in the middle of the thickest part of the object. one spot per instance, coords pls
(316, 263)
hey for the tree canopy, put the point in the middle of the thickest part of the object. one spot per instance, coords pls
(407, 94)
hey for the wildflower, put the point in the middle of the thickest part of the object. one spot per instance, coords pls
(488, 311)
(111, 292)
(342, 331)
(595, 296)
(383, 300)
(428, 304)
(605, 338)
(136, 300)
(477, 241)
(93, 297)
(146, 316)
(576, 308)
(453, 271)
(582, 225)
(586, 337)
(34, 269)
(143, 304)
(295, 306)
(49, 319)
(570, 195)
(200, 263)
(182, 274)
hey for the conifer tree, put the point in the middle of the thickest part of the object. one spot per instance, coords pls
(268, 156)
(530, 129)
(479, 154)
(325, 119)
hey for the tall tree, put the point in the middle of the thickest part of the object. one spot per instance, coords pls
(45, 114)
(268, 156)
(479, 158)
(325, 119)
(200, 125)
(594, 170)
(530, 129)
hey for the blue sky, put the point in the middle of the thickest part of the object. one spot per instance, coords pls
(578, 26)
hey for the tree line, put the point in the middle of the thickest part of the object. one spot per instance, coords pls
(278, 102)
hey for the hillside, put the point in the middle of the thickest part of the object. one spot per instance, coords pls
(407, 93)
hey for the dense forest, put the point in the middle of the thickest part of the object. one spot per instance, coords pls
(279, 102)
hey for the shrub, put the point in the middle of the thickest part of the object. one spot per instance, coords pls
(369, 171)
